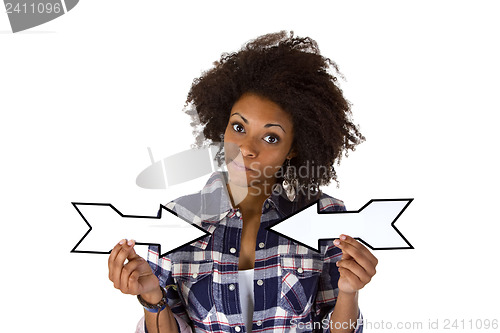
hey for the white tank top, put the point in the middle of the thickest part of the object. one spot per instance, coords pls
(245, 281)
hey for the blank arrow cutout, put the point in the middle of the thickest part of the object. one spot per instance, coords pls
(373, 225)
(169, 231)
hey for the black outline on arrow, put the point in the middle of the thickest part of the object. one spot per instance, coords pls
(75, 204)
(348, 212)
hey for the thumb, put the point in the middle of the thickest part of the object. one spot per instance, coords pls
(345, 255)
(132, 254)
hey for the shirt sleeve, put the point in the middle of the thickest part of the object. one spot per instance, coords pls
(162, 268)
(326, 296)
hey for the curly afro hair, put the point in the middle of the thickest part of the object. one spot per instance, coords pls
(291, 72)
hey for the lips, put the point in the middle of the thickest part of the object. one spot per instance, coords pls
(240, 166)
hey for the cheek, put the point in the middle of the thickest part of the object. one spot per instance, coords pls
(231, 149)
(271, 165)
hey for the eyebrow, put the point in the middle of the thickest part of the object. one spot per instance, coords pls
(266, 125)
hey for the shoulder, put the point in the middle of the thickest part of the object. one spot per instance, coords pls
(330, 204)
(190, 200)
(187, 206)
(194, 202)
(211, 203)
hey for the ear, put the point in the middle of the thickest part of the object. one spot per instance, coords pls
(291, 154)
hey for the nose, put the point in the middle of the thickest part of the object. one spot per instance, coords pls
(248, 148)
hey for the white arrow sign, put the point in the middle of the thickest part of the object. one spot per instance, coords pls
(373, 225)
(107, 226)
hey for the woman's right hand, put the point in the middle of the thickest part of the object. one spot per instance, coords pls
(134, 277)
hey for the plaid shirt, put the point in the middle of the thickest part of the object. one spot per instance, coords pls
(295, 289)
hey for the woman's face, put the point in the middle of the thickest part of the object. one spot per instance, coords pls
(257, 140)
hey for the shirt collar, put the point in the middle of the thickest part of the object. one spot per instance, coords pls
(215, 200)
(216, 203)
(213, 204)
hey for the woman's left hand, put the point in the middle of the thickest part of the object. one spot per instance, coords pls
(357, 266)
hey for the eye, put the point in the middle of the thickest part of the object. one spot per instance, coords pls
(271, 139)
(237, 127)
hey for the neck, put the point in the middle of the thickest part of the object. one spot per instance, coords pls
(248, 199)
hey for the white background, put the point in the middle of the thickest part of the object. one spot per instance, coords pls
(83, 96)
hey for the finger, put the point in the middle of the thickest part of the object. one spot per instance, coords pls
(133, 286)
(360, 247)
(337, 243)
(353, 280)
(139, 270)
(356, 269)
(117, 264)
(134, 261)
(112, 258)
(132, 254)
(358, 257)
(114, 253)
(130, 275)
(357, 251)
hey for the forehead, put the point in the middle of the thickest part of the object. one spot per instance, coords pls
(257, 109)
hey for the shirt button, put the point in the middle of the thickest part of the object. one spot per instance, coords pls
(262, 245)
(300, 270)
(260, 282)
(266, 205)
(237, 328)
(259, 323)
(238, 213)
(195, 275)
(232, 287)
(232, 250)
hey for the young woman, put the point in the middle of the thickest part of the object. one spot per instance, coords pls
(283, 123)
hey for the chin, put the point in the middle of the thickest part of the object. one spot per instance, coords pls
(239, 179)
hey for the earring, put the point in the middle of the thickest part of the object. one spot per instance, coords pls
(314, 187)
(289, 182)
